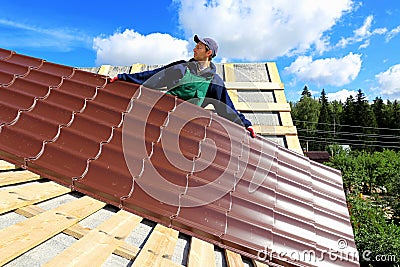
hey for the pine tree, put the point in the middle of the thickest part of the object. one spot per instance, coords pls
(347, 120)
(324, 119)
(379, 110)
(305, 92)
(305, 117)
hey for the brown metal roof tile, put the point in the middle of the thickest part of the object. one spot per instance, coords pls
(56, 69)
(4, 54)
(169, 161)
(24, 60)
(13, 69)
(6, 79)
(89, 78)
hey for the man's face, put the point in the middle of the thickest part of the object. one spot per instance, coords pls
(200, 52)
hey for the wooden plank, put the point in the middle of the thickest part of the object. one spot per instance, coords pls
(267, 107)
(273, 72)
(159, 248)
(15, 198)
(8, 178)
(95, 247)
(258, 107)
(262, 86)
(4, 166)
(124, 250)
(259, 264)
(294, 144)
(104, 69)
(19, 238)
(201, 253)
(229, 72)
(233, 94)
(280, 96)
(233, 259)
(138, 67)
(286, 118)
(275, 130)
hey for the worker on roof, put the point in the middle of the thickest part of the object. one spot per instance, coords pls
(195, 81)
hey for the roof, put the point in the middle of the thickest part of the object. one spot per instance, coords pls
(118, 144)
(320, 156)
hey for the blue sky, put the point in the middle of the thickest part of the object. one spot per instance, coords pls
(341, 45)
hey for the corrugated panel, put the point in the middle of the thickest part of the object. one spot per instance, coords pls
(172, 162)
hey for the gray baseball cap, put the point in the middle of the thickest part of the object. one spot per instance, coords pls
(210, 43)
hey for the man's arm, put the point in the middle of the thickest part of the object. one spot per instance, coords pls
(156, 78)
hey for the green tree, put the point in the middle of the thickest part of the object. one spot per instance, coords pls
(305, 92)
(336, 110)
(378, 108)
(347, 120)
(305, 117)
(372, 213)
(365, 118)
(373, 233)
(359, 124)
(324, 131)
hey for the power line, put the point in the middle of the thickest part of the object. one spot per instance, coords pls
(345, 125)
(349, 134)
(345, 142)
(353, 142)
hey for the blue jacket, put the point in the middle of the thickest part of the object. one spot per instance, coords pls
(169, 76)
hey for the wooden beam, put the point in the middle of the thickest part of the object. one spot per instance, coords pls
(21, 237)
(124, 250)
(159, 248)
(104, 69)
(138, 67)
(259, 264)
(262, 86)
(273, 72)
(280, 96)
(286, 118)
(4, 166)
(15, 198)
(201, 253)
(229, 72)
(267, 107)
(294, 144)
(275, 130)
(16, 177)
(233, 259)
(94, 248)
(233, 94)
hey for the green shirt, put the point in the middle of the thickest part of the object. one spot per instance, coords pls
(192, 88)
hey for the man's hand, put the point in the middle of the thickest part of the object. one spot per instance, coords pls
(114, 79)
(251, 131)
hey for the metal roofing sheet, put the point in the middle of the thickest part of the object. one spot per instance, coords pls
(171, 162)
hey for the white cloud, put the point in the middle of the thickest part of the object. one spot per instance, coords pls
(131, 47)
(389, 82)
(256, 30)
(364, 30)
(393, 33)
(362, 34)
(341, 95)
(245, 30)
(365, 44)
(328, 71)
